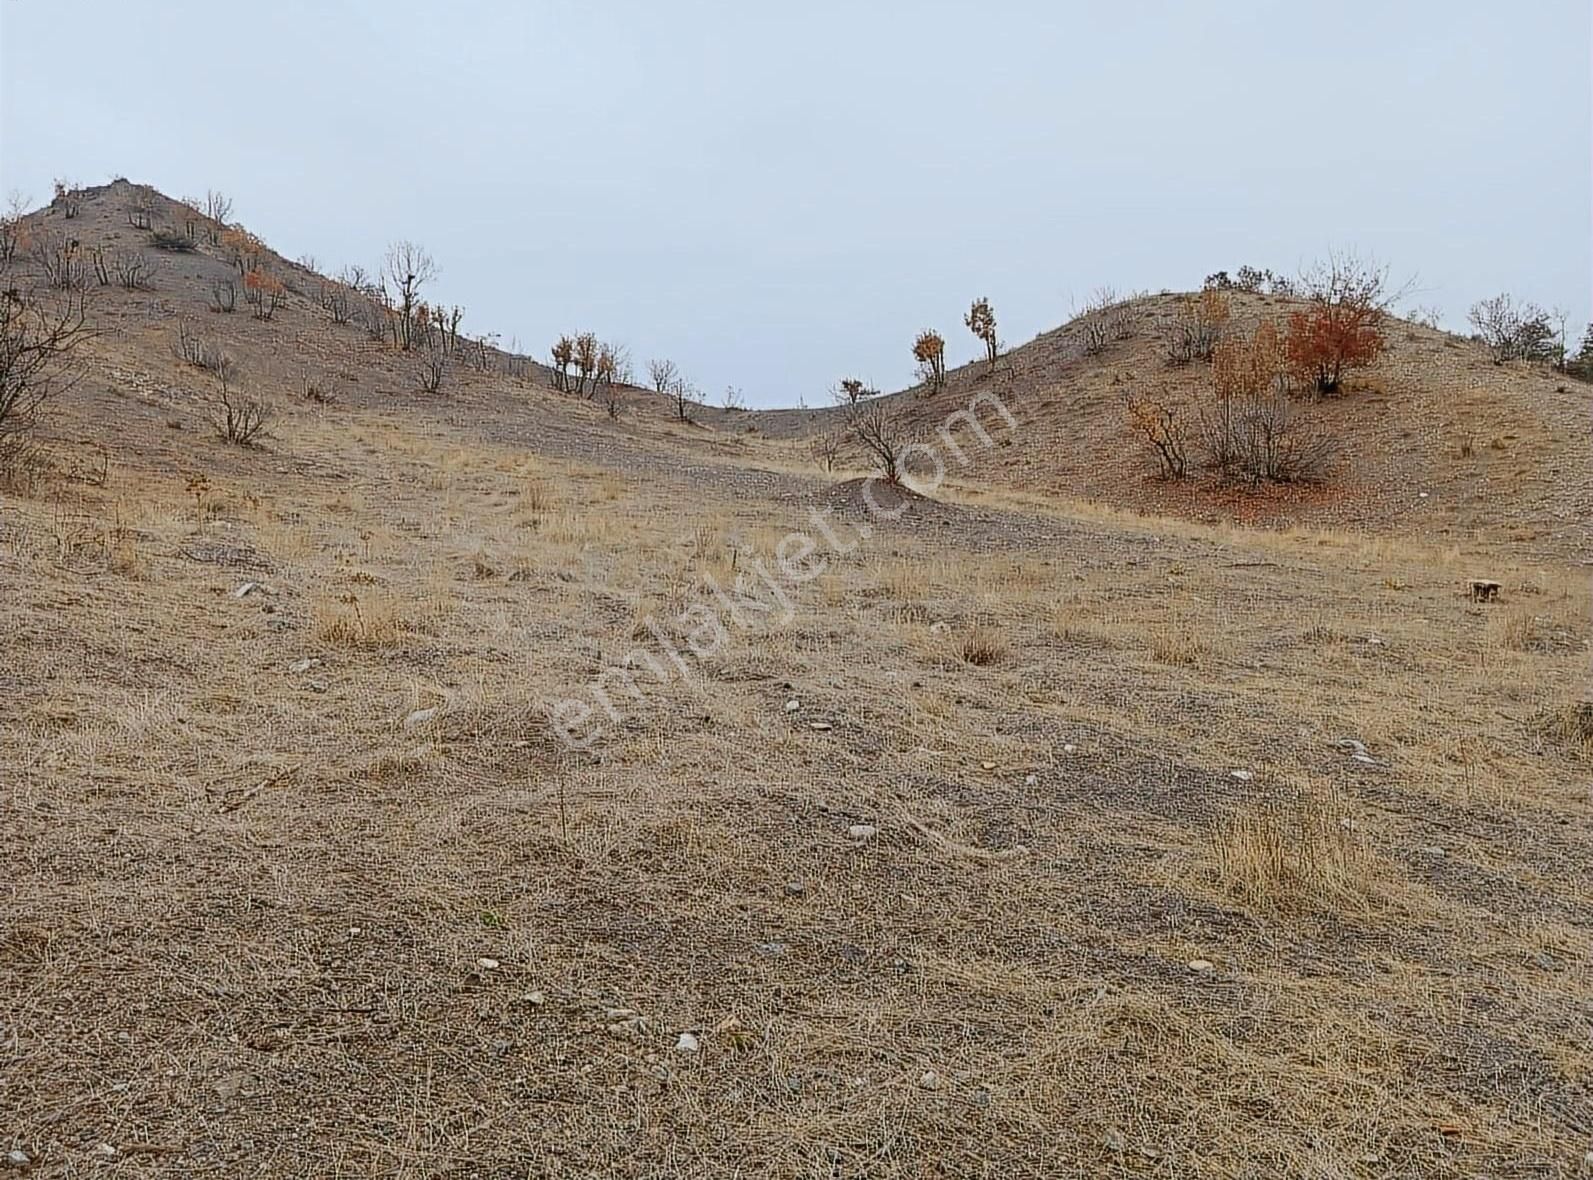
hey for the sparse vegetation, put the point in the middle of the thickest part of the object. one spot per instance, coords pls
(1197, 327)
(1161, 424)
(236, 417)
(37, 340)
(1518, 332)
(263, 292)
(882, 434)
(1343, 327)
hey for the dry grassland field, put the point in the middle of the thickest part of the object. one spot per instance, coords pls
(497, 783)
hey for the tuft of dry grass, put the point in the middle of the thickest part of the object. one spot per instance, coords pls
(1296, 856)
(981, 646)
(377, 621)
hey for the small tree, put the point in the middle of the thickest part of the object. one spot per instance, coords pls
(981, 321)
(433, 365)
(1580, 365)
(11, 229)
(217, 208)
(882, 434)
(407, 269)
(683, 393)
(662, 373)
(826, 449)
(1342, 329)
(929, 350)
(587, 351)
(1197, 326)
(36, 343)
(563, 354)
(851, 390)
(68, 197)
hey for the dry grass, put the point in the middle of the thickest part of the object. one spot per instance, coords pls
(258, 886)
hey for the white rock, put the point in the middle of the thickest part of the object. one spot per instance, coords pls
(1243, 776)
(1433, 850)
(862, 832)
(792, 705)
(487, 964)
(1030, 780)
(988, 765)
(821, 726)
(421, 716)
(18, 1158)
(535, 998)
(930, 1080)
(1201, 965)
(105, 1151)
(687, 1043)
(1070, 748)
(246, 589)
(304, 665)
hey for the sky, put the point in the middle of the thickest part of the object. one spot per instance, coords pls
(778, 196)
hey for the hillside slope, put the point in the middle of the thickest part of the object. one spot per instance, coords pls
(990, 840)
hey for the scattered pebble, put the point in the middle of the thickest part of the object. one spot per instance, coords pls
(822, 725)
(1201, 965)
(930, 1080)
(1434, 850)
(687, 1043)
(771, 949)
(105, 1151)
(17, 1158)
(1243, 776)
(796, 889)
(304, 665)
(1115, 1140)
(1070, 748)
(861, 832)
(420, 717)
(487, 964)
(1030, 780)
(246, 589)
(792, 705)
(988, 765)
(535, 998)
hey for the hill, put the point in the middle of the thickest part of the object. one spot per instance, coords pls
(479, 784)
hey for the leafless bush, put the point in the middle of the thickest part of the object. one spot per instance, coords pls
(734, 399)
(1260, 437)
(826, 449)
(1197, 327)
(37, 339)
(224, 295)
(408, 269)
(373, 317)
(684, 394)
(140, 209)
(102, 268)
(1162, 425)
(133, 270)
(236, 417)
(433, 366)
(11, 229)
(60, 257)
(883, 435)
(217, 209)
(662, 373)
(192, 348)
(1517, 332)
(68, 198)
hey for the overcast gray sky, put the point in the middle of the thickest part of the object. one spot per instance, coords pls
(778, 197)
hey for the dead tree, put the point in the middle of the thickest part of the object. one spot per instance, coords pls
(36, 343)
(883, 435)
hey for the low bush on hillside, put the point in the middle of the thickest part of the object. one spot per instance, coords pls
(1518, 332)
(1197, 327)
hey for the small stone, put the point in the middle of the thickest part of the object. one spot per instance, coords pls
(319, 686)
(487, 964)
(771, 950)
(353, 931)
(821, 726)
(420, 717)
(1201, 966)
(304, 665)
(278, 624)
(939, 628)
(1433, 850)
(1115, 1140)
(930, 1080)
(1030, 780)
(792, 705)
(988, 765)
(1243, 776)
(535, 998)
(105, 1151)
(687, 1043)
(862, 832)
(246, 589)
(17, 1158)
(1070, 748)
(796, 889)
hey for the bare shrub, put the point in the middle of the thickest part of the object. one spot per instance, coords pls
(237, 418)
(1251, 431)
(171, 240)
(849, 391)
(1197, 327)
(1514, 331)
(263, 292)
(216, 210)
(11, 226)
(1343, 327)
(1162, 426)
(826, 449)
(68, 198)
(433, 366)
(408, 268)
(37, 339)
(60, 257)
(192, 348)
(134, 270)
(883, 435)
